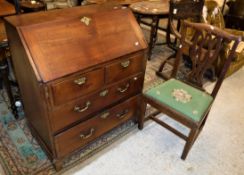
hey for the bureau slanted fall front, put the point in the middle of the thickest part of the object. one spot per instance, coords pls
(80, 72)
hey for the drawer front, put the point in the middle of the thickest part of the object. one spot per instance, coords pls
(77, 86)
(80, 109)
(87, 131)
(124, 68)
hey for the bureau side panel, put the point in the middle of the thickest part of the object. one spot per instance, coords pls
(32, 92)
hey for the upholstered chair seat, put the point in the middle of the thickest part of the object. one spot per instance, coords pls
(181, 97)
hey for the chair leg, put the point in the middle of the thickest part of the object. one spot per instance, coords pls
(189, 142)
(142, 112)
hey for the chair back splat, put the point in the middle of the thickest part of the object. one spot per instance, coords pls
(185, 100)
(204, 49)
(179, 10)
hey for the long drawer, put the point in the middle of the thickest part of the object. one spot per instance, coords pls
(87, 131)
(80, 109)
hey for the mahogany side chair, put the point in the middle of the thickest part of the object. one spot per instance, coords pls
(185, 100)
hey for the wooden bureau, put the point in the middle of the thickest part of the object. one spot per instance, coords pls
(80, 72)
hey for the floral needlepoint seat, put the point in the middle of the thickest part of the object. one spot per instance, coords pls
(183, 98)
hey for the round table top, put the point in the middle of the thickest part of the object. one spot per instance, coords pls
(6, 8)
(32, 4)
(121, 2)
(3, 35)
(151, 7)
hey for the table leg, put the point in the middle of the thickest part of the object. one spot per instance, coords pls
(223, 7)
(138, 18)
(153, 35)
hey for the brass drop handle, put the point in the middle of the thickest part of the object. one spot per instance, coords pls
(105, 115)
(103, 93)
(79, 109)
(124, 89)
(123, 114)
(125, 64)
(82, 136)
(80, 81)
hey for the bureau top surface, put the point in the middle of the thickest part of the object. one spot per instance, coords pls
(63, 42)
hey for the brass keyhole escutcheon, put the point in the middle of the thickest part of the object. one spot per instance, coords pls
(86, 20)
(103, 93)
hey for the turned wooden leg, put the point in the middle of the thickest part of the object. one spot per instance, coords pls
(153, 35)
(168, 32)
(58, 164)
(189, 142)
(138, 18)
(4, 73)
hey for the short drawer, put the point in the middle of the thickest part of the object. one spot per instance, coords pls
(85, 132)
(77, 86)
(125, 67)
(78, 110)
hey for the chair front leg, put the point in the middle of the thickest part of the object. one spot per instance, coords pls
(189, 142)
(141, 116)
